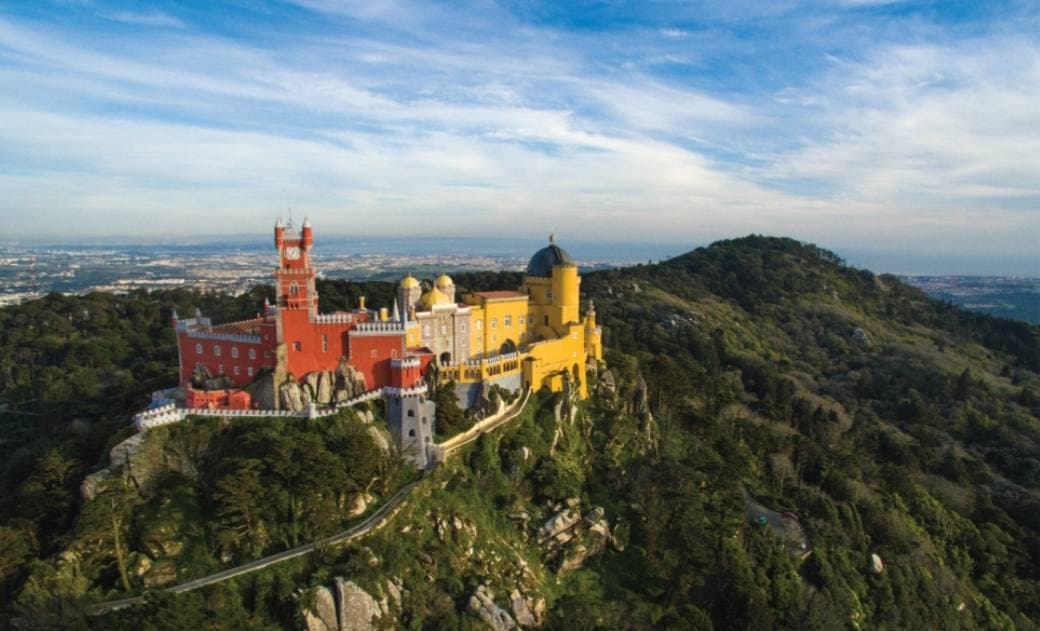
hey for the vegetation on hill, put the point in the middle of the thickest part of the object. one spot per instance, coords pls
(758, 395)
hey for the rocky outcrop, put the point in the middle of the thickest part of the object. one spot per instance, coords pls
(321, 616)
(379, 437)
(529, 613)
(262, 391)
(876, 565)
(360, 504)
(357, 610)
(567, 538)
(141, 459)
(347, 382)
(482, 606)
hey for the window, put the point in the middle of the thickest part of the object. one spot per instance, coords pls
(521, 320)
(375, 353)
(237, 371)
(494, 323)
(252, 353)
(411, 432)
(297, 346)
(424, 421)
(393, 352)
(444, 328)
(216, 351)
(220, 369)
(548, 295)
(234, 352)
(462, 327)
(411, 413)
(324, 343)
(426, 330)
(546, 320)
(249, 371)
(198, 349)
(294, 289)
(479, 324)
(509, 321)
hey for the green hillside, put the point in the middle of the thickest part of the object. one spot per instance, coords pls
(774, 441)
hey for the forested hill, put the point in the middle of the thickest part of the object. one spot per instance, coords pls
(776, 440)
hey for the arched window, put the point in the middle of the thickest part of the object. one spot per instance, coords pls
(236, 371)
(252, 353)
(249, 371)
(216, 351)
(494, 323)
(234, 352)
(198, 349)
(411, 413)
(411, 433)
(546, 320)
(508, 321)
(294, 289)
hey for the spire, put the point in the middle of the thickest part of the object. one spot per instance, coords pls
(278, 222)
(397, 311)
(552, 238)
(290, 218)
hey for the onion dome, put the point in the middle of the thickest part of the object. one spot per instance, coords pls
(444, 282)
(548, 257)
(408, 282)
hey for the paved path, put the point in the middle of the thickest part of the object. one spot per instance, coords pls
(372, 522)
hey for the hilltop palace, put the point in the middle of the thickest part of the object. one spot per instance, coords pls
(291, 357)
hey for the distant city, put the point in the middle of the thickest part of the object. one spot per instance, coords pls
(29, 271)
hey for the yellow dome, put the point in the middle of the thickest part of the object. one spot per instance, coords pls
(444, 281)
(409, 283)
(434, 297)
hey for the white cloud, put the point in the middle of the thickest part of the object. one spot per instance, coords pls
(155, 19)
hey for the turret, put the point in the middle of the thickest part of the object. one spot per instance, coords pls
(279, 233)
(307, 234)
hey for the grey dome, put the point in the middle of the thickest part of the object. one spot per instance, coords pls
(543, 260)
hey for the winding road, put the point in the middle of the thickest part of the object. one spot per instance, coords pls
(371, 523)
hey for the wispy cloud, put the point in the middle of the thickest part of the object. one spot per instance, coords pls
(145, 19)
(799, 120)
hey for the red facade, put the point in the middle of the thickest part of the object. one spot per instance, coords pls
(312, 341)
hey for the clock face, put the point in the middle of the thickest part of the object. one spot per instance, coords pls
(292, 253)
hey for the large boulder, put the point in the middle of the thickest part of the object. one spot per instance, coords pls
(380, 438)
(325, 382)
(529, 613)
(573, 559)
(358, 611)
(558, 523)
(291, 396)
(262, 391)
(482, 606)
(321, 616)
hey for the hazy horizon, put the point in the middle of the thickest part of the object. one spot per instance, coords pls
(879, 260)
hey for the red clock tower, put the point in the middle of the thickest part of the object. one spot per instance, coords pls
(295, 276)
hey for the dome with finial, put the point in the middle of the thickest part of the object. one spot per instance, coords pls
(434, 297)
(545, 259)
(409, 282)
(444, 282)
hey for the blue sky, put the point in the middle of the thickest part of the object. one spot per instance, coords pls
(856, 124)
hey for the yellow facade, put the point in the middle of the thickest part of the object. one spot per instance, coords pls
(537, 332)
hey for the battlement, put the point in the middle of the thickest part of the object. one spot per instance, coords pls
(406, 392)
(334, 318)
(380, 327)
(226, 337)
(405, 362)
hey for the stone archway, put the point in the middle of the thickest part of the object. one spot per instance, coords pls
(509, 346)
(445, 359)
